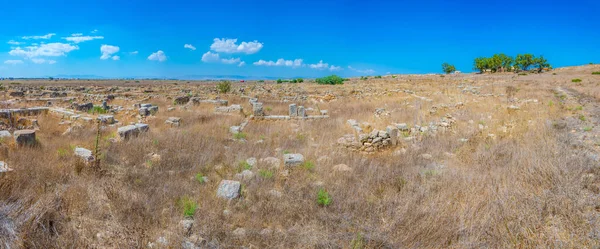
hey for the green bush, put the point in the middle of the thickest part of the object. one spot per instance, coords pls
(576, 80)
(300, 80)
(522, 74)
(596, 73)
(323, 198)
(330, 80)
(378, 77)
(279, 81)
(189, 206)
(364, 77)
(261, 81)
(224, 87)
(97, 110)
(200, 178)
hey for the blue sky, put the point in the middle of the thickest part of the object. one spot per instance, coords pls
(314, 38)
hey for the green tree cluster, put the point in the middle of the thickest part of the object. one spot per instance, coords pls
(330, 80)
(505, 63)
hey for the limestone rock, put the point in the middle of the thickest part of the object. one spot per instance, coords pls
(229, 189)
(291, 160)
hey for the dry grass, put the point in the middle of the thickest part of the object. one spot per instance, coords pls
(524, 188)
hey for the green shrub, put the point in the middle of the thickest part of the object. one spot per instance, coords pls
(582, 118)
(393, 76)
(323, 198)
(97, 110)
(188, 205)
(62, 152)
(224, 87)
(576, 80)
(378, 77)
(364, 77)
(522, 74)
(596, 73)
(300, 80)
(200, 178)
(261, 81)
(330, 80)
(279, 81)
(586, 129)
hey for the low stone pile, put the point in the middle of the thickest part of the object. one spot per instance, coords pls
(374, 141)
(173, 121)
(229, 109)
(146, 109)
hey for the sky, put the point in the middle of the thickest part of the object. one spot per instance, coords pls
(175, 38)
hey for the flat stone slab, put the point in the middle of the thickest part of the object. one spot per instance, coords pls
(84, 154)
(292, 160)
(25, 137)
(229, 189)
(4, 134)
(128, 131)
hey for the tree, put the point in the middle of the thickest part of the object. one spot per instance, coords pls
(279, 81)
(494, 63)
(524, 61)
(481, 64)
(506, 62)
(447, 68)
(330, 80)
(300, 80)
(541, 63)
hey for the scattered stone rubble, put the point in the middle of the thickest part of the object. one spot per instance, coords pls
(173, 121)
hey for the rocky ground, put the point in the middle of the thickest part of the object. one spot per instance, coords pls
(425, 161)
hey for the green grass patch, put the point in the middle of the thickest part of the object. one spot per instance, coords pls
(576, 80)
(240, 135)
(596, 73)
(97, 110)
(267, 174)
(188, 205)
(200, 178)
(308, 165)
(323, 198)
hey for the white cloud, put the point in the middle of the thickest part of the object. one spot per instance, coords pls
(335, 68)
(42, 61)
(107, 51)
(11, 42)
(189, 46)
(229, 46)
(243, 63)
(231, 61)
(319, 66)
(281, 62)
(365, 71)
(77, 34)
(210, 57)
(78, 39)
(13, 62)
(37, 37)
(158, 56)
(324, 66)
(116, 58)
(49, 49)
(134, 52)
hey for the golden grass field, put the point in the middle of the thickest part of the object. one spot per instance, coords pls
(497, 178)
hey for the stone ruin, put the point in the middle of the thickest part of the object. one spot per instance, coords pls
(378, 140)
(294, 112)
(146, 109)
